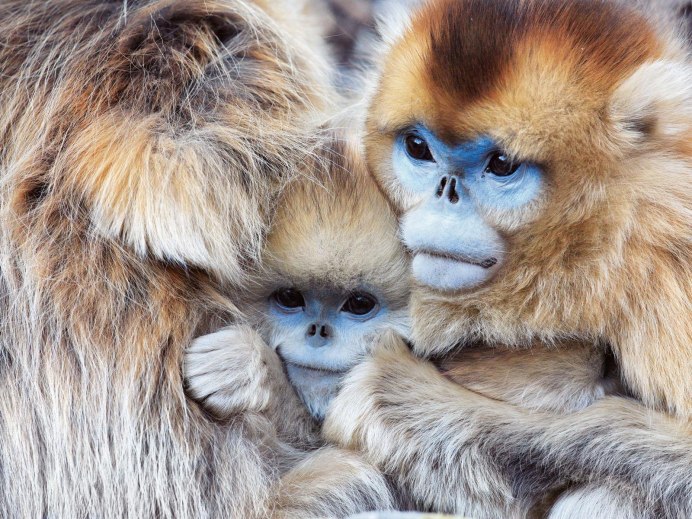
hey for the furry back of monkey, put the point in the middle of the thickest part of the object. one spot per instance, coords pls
(143, 145)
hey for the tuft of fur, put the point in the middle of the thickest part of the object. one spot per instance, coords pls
(336, 229)
(144, 145)
(601, 502)
(333, 483)
(142, 110)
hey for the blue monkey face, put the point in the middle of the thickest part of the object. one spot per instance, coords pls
(321, 333)
(453, 189)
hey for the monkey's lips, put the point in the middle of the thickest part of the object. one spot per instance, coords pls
(314, 369)
(297, 362)
(451, 271)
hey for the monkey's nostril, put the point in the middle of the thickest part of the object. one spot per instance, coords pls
(441, 187)
(324, 331)
(452, 194)
(490, 262)
(312, 330)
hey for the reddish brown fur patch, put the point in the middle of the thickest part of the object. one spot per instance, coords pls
(459, 53)
(472, 43)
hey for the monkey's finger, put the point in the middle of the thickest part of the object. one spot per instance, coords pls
(231, 360)
(210, 382)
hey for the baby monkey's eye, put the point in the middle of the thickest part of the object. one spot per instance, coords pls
(417, 148)
(289, 298)
(501, 165)
(359, 303)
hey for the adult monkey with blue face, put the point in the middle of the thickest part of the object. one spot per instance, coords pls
(144, 144)
(538, 153)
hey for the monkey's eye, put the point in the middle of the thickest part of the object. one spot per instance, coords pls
(359, 304)
(289, 298)
(501, 165)
(417, 148)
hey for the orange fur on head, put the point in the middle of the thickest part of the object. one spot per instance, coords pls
(601, 99)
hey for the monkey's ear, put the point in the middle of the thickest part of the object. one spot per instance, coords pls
(394, 18)
(655, 102)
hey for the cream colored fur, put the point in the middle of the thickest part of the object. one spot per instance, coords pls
(454, 450)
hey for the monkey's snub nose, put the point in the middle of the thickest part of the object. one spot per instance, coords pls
(448, 188)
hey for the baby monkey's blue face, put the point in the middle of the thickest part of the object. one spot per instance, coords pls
(321, 333)
(455, 193)
(326, 327)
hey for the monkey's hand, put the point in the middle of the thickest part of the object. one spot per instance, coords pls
(232, 371)
(377, 396)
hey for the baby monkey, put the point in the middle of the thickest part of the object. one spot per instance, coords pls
(334, 278)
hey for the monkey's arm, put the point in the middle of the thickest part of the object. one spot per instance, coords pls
(234, 371)
(332, 482)
(563, 378)
(455, 450)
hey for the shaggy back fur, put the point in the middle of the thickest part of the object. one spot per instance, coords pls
(143, 145)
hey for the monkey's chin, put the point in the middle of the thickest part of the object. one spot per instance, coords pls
(315, 387)
(446, 273)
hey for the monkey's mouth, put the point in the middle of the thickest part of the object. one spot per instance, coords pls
(315, 369)
(451, 271)
(312, 369)
(459, 258)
